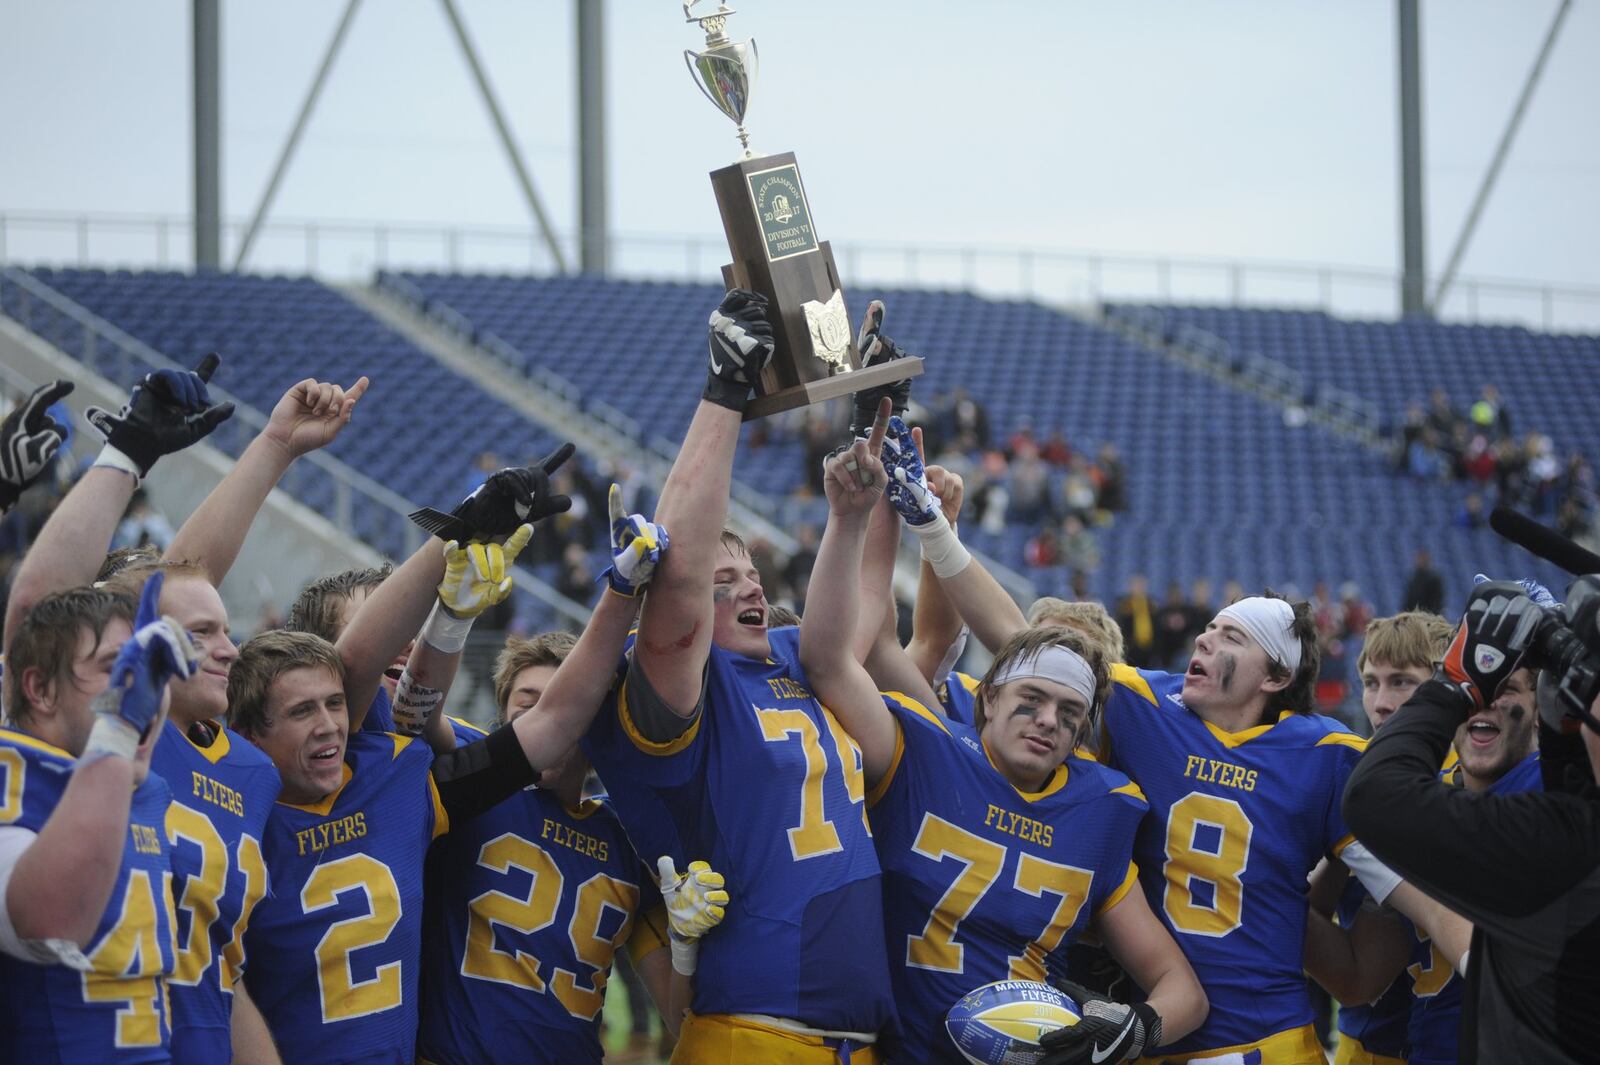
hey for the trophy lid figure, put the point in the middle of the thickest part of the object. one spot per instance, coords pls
(726, 71)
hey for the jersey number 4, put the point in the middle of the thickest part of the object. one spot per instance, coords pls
(816, 834)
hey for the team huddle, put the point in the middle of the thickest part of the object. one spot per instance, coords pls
(812, 840)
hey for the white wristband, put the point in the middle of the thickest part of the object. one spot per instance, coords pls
(685, 954)
(445, 632)
(942, 548)
(110, 735)
(413, 703)
(113, 459)
(1379, 880)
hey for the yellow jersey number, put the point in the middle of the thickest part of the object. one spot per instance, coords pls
(981, 861)
(1189, 862)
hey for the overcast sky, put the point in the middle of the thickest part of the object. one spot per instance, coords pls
(1256, 128)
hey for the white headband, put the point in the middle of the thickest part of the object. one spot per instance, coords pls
(1053, 662)
(1270, 623)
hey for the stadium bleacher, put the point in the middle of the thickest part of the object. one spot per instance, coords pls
(1220, 484)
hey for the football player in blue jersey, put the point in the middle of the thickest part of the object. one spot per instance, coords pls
(86, 927)
(1243, 783)
(999, 846)
(714, 748)
(222, 787)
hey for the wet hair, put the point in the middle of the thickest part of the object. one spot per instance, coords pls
(520, 653)
(319, 608)
(780, 617)
(1413, 639)
(1030, 642)
(263, 660)
(1087, 615)
(131, 577)
(734, 544)
(47, 638)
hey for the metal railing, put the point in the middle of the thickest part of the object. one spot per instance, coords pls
(354, 503)
(345, 250)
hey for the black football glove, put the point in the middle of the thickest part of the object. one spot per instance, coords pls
(510, 498)
(29, 439)
(741, 343)
(167, 411)
(1109, 1031)
(1495, 633)
(877, 349)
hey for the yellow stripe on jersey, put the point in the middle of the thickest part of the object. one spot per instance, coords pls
(882, 785)
(325, 806)
(917, 708)
(1297, 1046)
(1056, 781)
(1343, 739)
(400, 743)
(22, 739)
(968, 682)
(649, 932)
(1131, 679)
(1351, 1052)
(217, 750)
(441, 816)
(650, 746)
(1130, 788)
(1129, 882)
(1338, 848)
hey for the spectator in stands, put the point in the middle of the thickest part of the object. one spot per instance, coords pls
(1357, 611)
(1136, 616)
(576, 579)
(1078, 495)
(1478, 462)
(143, 524)
(1043, 547)
(482, 466)
(797, 568)
(1078, 583)
(1112, 497)
(1200, 611)
(990, 495)
(1056, 451)
(1172, 628)
(1028, 486)
(1422, 459)
(1079, 548)
(1490, 413)
(1471, 515)
(969, 420)
(1411, 430)
(1425, 587)
(1444, 420)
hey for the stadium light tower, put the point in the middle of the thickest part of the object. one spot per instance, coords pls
(592, 236)
(207, 32)
(1414, 275)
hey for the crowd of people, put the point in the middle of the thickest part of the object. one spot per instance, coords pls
(812, 836)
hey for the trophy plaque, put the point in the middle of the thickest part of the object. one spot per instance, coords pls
(767, 218)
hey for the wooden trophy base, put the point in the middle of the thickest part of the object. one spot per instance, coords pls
(776, 252)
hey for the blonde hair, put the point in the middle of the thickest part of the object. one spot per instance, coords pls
(524, 652)
(1087, 617)
(1414, 638)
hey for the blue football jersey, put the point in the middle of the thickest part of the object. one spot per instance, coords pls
(335, 947)
(958, 695)
(526, 904)
(380, 715)
(1237, 822)
(117, 1011)
(1381, 1025)
(767, 787)
(981, 881)
(1434, 1034)
(221, 796)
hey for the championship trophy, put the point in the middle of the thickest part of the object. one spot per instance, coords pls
(775, 250)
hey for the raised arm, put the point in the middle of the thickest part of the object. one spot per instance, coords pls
(167, 411)
(309, 416)
(935, 621)
(989, 611)
(29, 439)
(386, 622)
(675, 625)
(853, 480)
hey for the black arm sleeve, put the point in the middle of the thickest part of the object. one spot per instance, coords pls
(1485, 856)
(482, 774)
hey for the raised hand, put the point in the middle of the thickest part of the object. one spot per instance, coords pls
(636, 548)
(312, 414)
(909, 492)
(740, 343)
(477, 576)
(877, 349)
(29, 439)
(511, 497)
(1495, 633)
(167, 411)
(853, 476)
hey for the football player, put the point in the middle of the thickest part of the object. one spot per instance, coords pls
(86, 936)
(999, 846)
(1243, 783)
(714, 747)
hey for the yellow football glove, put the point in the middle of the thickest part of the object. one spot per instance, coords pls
(695, 902)
(476, 577)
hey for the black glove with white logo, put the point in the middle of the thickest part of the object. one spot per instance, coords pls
(877, 349)
(1109, 1031)
(741, 343)
(29, 439)
(509, 499)
(167, 411)
(1495, 633)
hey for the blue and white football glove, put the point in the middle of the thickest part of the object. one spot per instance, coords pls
(636, 548)
(29, 439)
(740, 344)
(1109, 1031)
(158, 651)
(877, 349)
(909, 493)
(1535, 591)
